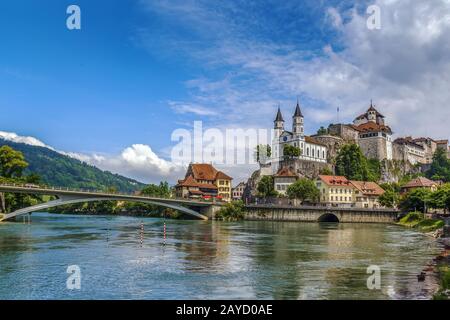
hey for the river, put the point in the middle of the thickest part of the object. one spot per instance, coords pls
(209, 259)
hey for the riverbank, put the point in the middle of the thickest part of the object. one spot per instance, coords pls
(440, 266)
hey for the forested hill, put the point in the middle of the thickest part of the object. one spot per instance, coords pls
(56, 169)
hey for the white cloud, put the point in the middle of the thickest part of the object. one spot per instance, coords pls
(138, 161)
(183, 107)
(14, 137)
(404, 67)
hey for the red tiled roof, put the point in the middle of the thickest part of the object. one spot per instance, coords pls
(221, 175)
(420, 182)
(190, 182)
(335, 180)
(285, 172)
(313, 141)
(373, 127)
(205, 171)
(368, 188)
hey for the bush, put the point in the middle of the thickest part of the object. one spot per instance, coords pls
(232, 211)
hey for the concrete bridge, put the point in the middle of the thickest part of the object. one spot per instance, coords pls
(320, 214)
(199, 209)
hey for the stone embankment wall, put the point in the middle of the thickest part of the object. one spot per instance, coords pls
(314, 214)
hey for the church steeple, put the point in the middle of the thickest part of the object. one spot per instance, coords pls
(297, 121)
(279, 117)
(279, 121)
(298, 111)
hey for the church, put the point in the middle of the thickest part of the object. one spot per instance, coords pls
(310, 149)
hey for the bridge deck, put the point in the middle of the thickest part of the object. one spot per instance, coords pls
(96, 194)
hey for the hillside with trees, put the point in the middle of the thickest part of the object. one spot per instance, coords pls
(56, 169)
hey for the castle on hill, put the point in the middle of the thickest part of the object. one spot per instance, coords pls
(369, 130)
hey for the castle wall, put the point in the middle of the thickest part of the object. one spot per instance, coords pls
(374, 147)
(343, 131)
(333, 144)
(308, 169)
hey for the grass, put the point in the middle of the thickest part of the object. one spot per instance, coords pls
(444, 274)
(417, 220)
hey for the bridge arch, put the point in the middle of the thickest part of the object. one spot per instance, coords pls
(63, 200)
(328, 217)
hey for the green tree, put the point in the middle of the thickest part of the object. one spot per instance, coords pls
(440, 199)
(440, 167)
(322, 131)
(266, 188)
(162, 190)
(303, 189)
(416, 200)
(12, 162)
(263, 152)
(232, 211)
(351, 163)
(391, 196)
(326, 171)
(291, 152)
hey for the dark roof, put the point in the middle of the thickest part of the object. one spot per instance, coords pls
(410, 141)
(298, 112)
(371, 108)
(279, 116)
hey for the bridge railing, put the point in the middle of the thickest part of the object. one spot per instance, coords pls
(55, 188)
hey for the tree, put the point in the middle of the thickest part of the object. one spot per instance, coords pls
(303, 189)
(266, 188)
(12, 162)
(351, 163)
(232, 211)
(263, 152)
(391, 196)
(440, 199)
(326, 171)
(162, 190)
(290, 152)
(322, 131)
(440, 167)
(416, 200)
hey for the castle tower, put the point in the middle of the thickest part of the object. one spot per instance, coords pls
(372, 113)
(278, 124)
(297, 122)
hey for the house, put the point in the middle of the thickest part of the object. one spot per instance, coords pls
(204, 181)
(366, 194)
(420, 183)
(336, 190)
(238, 191)
(283, 179)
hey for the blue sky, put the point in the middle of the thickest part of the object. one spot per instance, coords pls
(137, 70)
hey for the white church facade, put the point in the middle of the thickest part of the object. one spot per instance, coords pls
(310, 149)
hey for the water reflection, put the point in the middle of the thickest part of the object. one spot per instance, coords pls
(209, 260)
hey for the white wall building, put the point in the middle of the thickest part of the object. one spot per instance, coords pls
(310, 149)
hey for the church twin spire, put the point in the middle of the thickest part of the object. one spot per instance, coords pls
(297, 114)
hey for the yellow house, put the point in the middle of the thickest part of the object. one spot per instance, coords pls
(336, 190)
(204, 181)
(366, 194)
